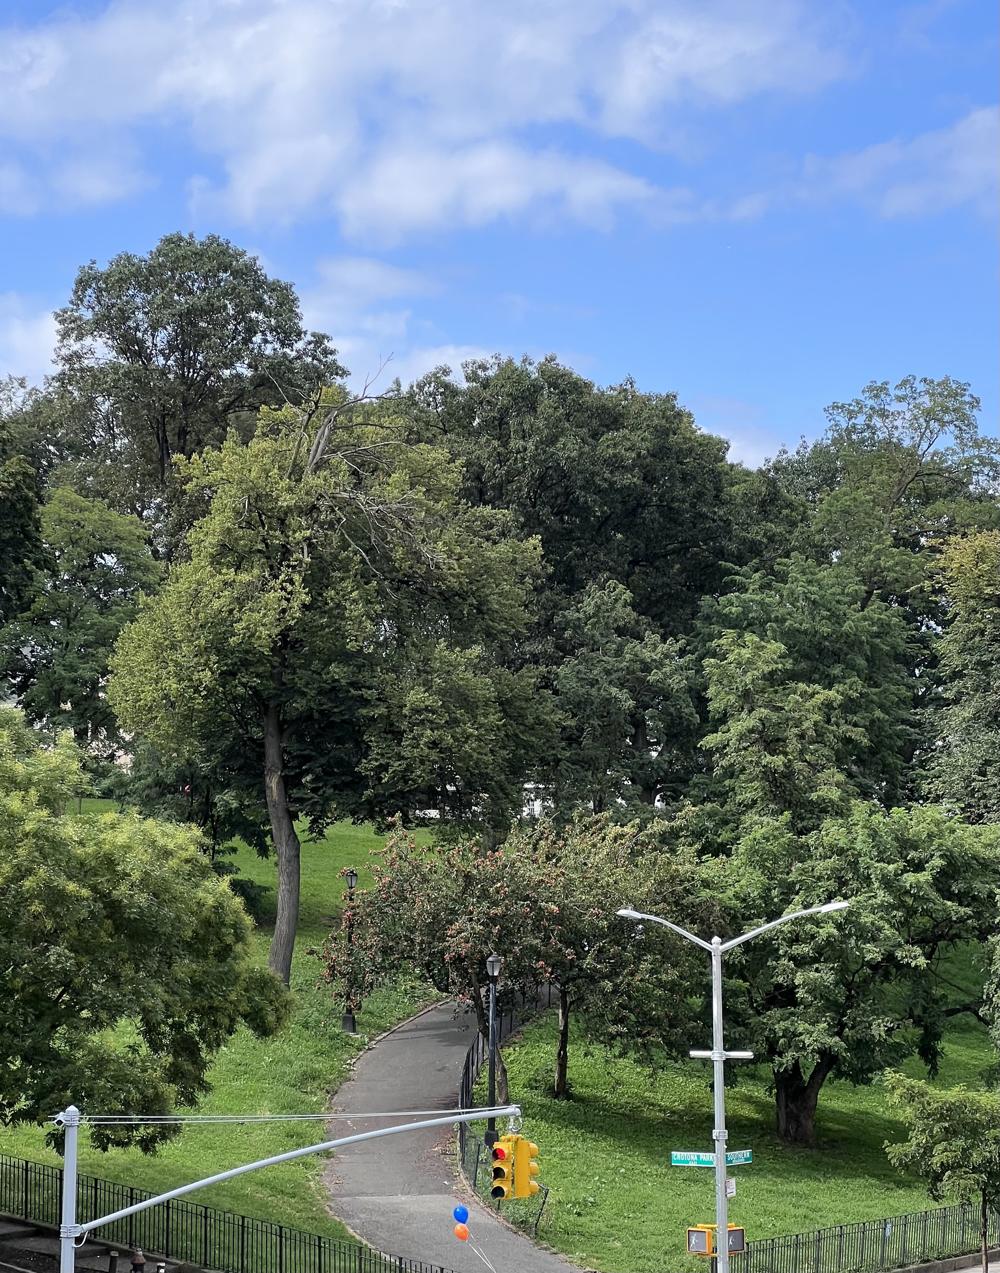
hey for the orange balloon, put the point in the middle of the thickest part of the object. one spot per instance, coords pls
(462, 1232)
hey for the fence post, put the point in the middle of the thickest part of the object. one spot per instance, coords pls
(24, 1188)
(204, 1237)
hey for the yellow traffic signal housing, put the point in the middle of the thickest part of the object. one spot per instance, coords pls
(701, 1240)
(503, 1169)
(525, 1167)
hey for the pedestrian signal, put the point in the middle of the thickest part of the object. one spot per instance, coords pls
(503, 1169)
(525, 1167)
(701, 1240)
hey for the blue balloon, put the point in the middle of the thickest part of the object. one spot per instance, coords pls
(461, 1213)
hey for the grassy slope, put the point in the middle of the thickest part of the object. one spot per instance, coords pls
(617, 1204)
(290, 1073)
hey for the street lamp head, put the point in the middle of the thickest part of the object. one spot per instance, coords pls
(626, 912)
(833, 906)
(493, 967)
(351, 876)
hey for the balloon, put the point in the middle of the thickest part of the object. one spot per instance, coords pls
(462, 1232)
(461, 1213)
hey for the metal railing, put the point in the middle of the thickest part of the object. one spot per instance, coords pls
(189, 1232)
(473, 1157)
(871, 1246)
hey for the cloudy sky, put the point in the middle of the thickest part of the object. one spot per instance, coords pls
(760, 204)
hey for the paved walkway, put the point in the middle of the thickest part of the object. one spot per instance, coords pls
(397, 1193)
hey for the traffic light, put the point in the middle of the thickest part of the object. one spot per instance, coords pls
(525, 1167)
(701, 1239)
(737, 1240)
(503, 1169)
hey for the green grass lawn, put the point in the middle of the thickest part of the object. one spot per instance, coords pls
(616, 1203)
(293, 1072)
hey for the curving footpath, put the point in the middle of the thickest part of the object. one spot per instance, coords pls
(397, 1193)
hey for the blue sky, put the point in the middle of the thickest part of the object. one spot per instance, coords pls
(759, 204)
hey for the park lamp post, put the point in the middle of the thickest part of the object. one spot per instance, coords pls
(349, 1021)
(493, 972)
(718, 1055)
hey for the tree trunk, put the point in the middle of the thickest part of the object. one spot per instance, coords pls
(984, 1232)
(796, 1098)
(286, 848)
(561, 1088)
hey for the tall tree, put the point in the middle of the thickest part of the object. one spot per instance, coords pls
(632, 505)
(964, 765)
(331, 560)
(627, 699)
(158, 355)
(21, 550)
(125, 964)
(851, 994)
(55, 655)
(809, 688)
(899, 469)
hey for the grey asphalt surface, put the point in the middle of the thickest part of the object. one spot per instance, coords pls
(397, 1193)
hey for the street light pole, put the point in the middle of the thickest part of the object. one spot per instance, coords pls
(493, 972)
(718, 1055)
(349, 1022)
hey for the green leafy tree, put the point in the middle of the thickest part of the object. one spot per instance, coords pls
(953, 1142)
(850, 994)
(620, 488)
(964, 765)
(158, 355)
(809, 690)
(627, 697)
(331, 559)
(545, 900)
(55, 654)
(898, 469)
(125, 964)
(21, 550)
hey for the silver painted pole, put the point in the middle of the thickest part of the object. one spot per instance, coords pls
(449, 1120)
(719, 1133)
(70, 1121)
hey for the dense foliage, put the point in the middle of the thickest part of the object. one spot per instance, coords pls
(550, 619)
(125, 963)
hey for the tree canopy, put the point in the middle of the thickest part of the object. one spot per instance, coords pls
(334, 570)
(125, 963)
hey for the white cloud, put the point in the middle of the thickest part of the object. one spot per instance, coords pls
(27, 338)
(360, 302)
(399, 115)
(947, 168)
(742, 423)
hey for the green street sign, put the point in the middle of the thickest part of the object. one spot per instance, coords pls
(689, 1158)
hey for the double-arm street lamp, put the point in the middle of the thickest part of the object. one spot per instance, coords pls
(718, 1055)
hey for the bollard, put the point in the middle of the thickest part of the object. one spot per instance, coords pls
(112, 1262)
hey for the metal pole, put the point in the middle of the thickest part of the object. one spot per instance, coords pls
(501, 1111)
(491, 1098)
(70, 1121)
(719, 1133)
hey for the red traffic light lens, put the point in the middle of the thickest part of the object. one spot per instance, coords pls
(499, 1153)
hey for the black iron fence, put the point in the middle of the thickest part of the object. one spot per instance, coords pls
(871, 1246)
(188, 1232)
(473, 1155)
